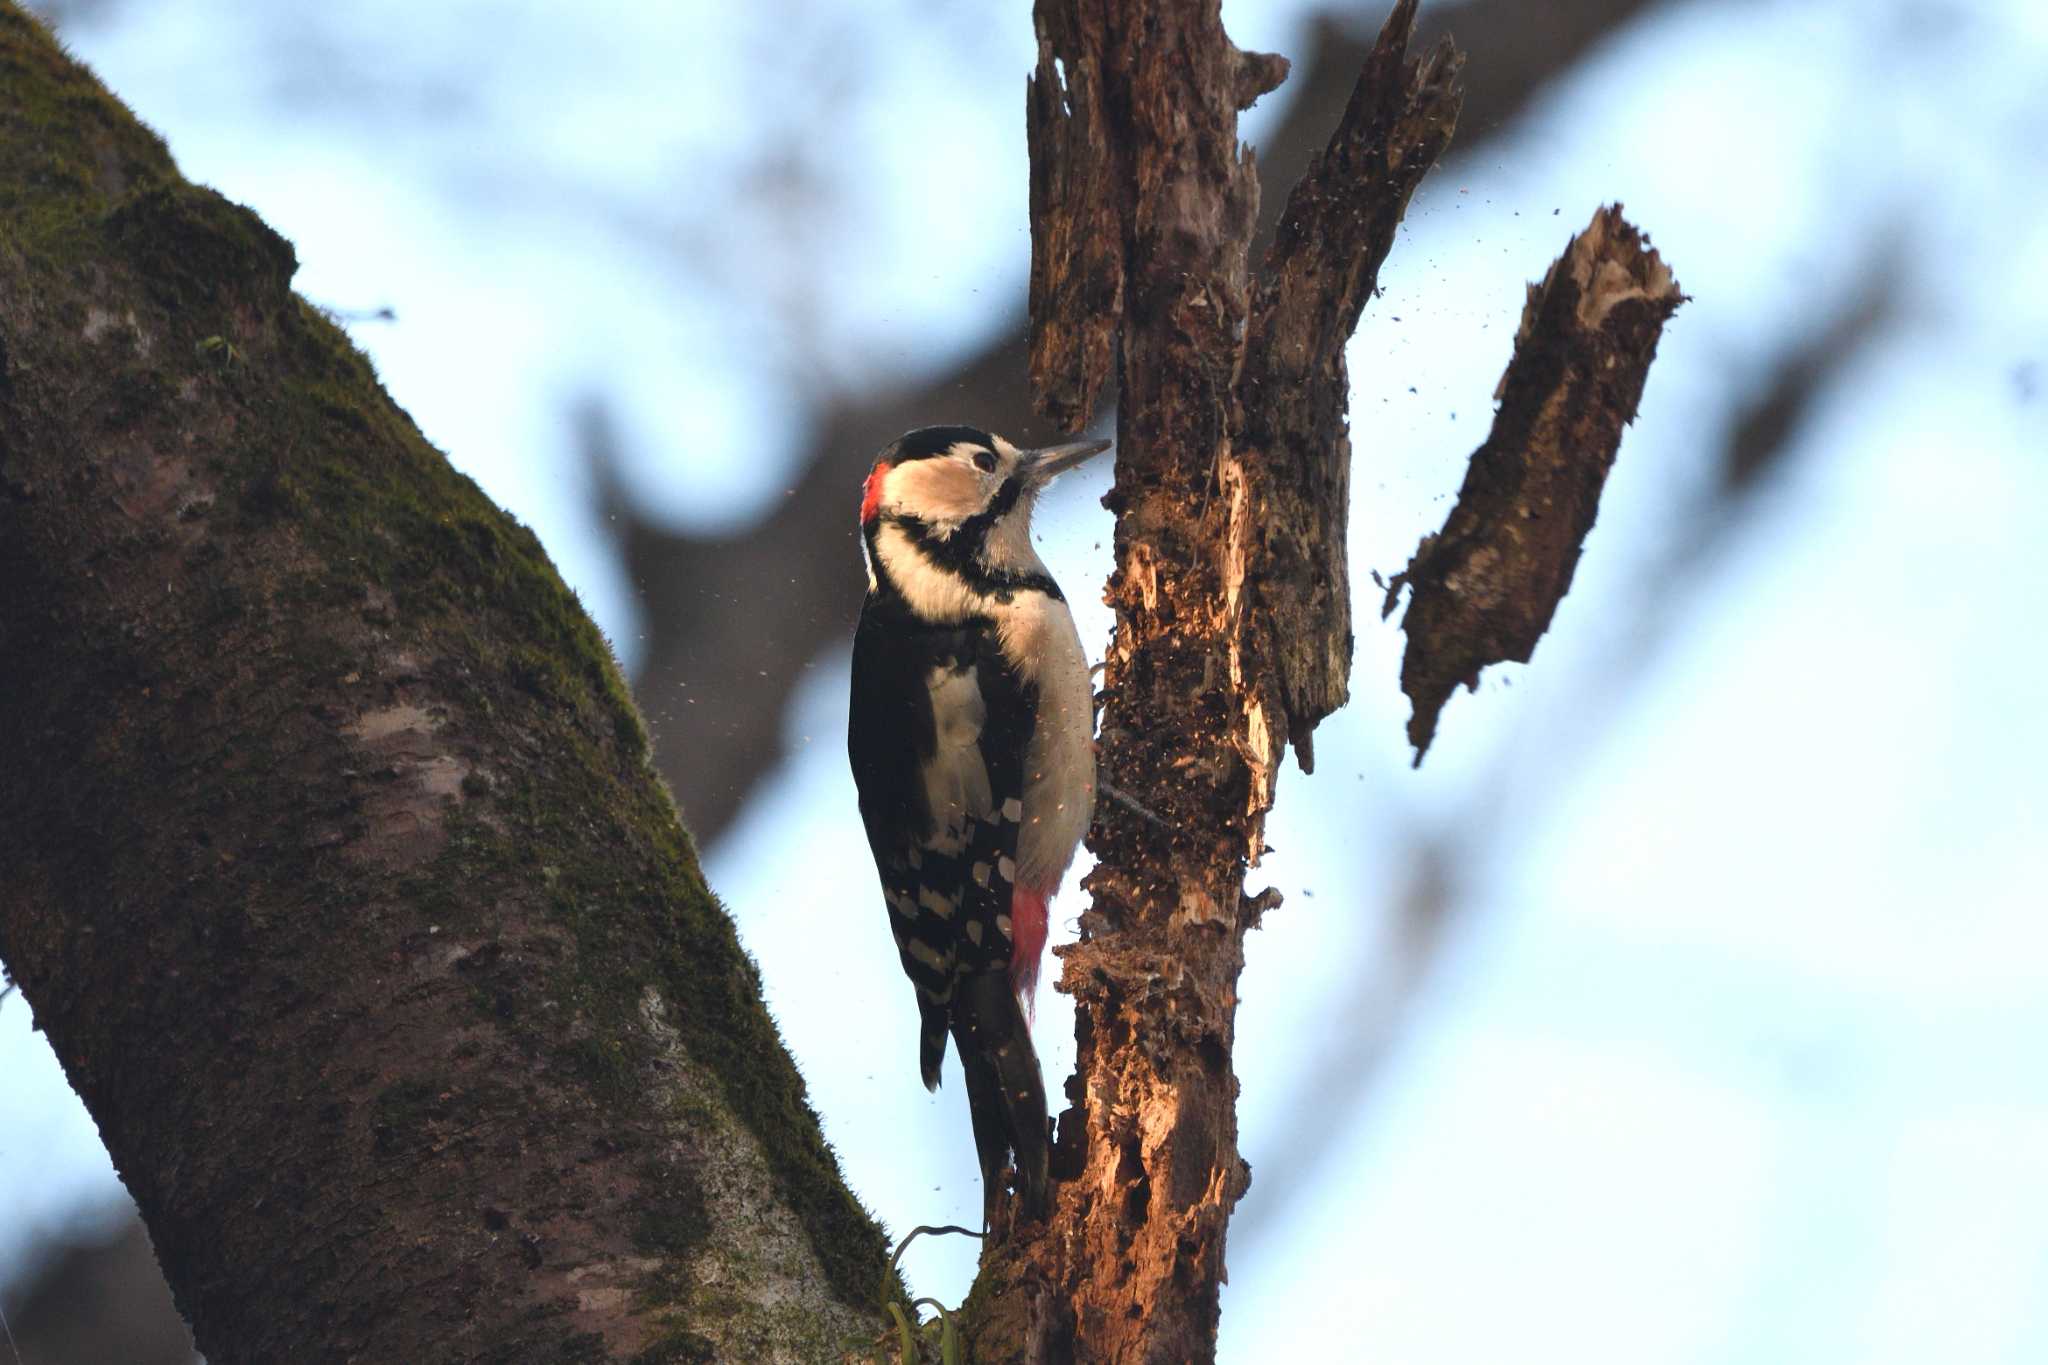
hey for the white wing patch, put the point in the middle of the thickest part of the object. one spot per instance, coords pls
(955, 779)
(1036, 634)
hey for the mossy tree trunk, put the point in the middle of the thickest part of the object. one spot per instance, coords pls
(331, 856)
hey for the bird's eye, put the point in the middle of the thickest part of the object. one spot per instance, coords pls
(985, 461)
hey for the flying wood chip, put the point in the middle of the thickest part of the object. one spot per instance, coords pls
(1483, 589)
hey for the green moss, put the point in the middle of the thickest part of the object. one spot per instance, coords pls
(267, 495)
(684, 1348)
(406, 519)
(646, 907)
(607, 1064)
(195, 251)
(82, 147)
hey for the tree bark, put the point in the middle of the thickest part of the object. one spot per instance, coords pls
(1233, 627)
(336, 867)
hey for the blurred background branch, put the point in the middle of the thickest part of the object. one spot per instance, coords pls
(96, 1298)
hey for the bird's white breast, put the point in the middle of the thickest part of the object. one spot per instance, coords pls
(1038, 638)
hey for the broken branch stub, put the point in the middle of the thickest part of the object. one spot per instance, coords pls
(1483, 589)
(1292, 439)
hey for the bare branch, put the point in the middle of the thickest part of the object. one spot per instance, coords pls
(1513, 52)
(1293, 442)
(1484, 588)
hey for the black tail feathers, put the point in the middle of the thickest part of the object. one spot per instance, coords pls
(1005, 1094)
(931, 1040)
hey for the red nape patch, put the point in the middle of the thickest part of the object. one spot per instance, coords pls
(1027, 943)
(871, 493)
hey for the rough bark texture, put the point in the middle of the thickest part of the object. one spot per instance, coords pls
(1230, 454)
(336, 868)
(1484, 588)
(1077, 258)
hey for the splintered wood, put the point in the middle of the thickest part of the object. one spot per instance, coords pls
(1483, 589)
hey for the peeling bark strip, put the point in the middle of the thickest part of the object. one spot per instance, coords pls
(1483, 589)
(331, 857)
(1232, 629)
(1077, 231)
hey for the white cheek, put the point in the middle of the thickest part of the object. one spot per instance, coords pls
(937, 490)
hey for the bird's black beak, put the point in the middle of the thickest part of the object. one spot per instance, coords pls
(1044, 465)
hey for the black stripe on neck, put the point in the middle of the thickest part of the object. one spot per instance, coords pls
(960, 552)
(975, 529)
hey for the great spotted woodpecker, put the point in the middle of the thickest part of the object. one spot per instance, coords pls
(971, 732)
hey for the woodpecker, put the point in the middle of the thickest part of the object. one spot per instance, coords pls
(971, 733)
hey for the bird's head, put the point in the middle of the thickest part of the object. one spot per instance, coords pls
(945, 477)
(963, 496)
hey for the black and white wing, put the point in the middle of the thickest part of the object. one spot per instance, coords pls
(937, 734)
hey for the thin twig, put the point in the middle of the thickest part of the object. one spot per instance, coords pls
(1128, 802)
